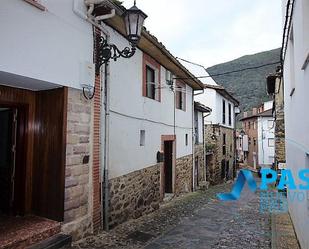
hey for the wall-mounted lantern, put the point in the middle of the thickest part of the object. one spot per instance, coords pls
(134, 20)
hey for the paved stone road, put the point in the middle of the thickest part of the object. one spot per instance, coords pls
(221, 225)
(196, 220)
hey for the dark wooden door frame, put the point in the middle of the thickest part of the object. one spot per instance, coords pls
(171, 138)
(20, 188)
(27, 102)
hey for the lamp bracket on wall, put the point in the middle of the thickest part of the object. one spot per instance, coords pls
(105, 52)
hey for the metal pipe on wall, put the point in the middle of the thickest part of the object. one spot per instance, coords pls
(104, 117)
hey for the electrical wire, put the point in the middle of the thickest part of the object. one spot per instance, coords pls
(148, 120)
(230, 72)
(286, 29)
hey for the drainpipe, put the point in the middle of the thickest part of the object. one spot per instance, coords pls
(193, 139)
(105, 193)
(104, 155)
(193, 145)
(204, 146)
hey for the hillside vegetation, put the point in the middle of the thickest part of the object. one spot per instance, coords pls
(249, 86)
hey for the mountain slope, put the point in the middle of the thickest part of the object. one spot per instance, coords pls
(249, 86)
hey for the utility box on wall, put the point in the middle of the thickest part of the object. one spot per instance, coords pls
(160, 157)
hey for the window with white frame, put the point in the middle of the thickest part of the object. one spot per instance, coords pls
(223, 112)
(230, 114)
(151, 82)
(169, 78)
(180, 96)
(270, 124)
(142, 137)
(151, 78)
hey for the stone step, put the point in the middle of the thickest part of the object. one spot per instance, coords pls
(58, 241)
(22, 232)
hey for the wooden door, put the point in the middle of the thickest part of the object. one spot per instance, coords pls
(168, 166)
(49, 154)
(6, 160)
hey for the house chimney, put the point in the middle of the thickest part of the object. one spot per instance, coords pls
(245, 114)
(254, 111)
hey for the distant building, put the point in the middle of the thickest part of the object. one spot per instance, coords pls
(259, 128)
(275, 88)
(220, 133)
(199, 148)
(249, 125)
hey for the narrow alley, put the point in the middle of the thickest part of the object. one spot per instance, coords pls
(197, 220)
(128, 124)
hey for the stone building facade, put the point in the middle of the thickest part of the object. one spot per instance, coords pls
(78, 178)
(276, 89)
(220, 156)
(134, 194)
(200, 166)
(280, 124)
(184, 177)
(250, 127)
(138, 193)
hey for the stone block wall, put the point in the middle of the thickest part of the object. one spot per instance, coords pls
(77, 213)
(280, 125)
(199, 158)
(280, 141)
(214, 138)
(134, 195)
(184, 167)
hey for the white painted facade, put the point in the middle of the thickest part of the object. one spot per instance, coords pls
(130, 113)
(296, 102)
(266, 141)
(214, 100)
(199, 124)
(47, 50)
(268, 105)
(43, 49)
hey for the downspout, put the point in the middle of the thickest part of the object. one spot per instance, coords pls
(193, 145)
(204, 146)
(104, 136)
(193, 139)
(235, 144)
(105, 191)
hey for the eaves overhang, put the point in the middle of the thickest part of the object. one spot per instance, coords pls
(150, 45)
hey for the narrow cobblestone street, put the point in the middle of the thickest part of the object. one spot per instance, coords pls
(196, 220)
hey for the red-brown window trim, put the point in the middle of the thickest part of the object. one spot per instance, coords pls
(182, 85)
(149, 61)
(36, 4)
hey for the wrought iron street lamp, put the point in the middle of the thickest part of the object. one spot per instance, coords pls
(134, 19)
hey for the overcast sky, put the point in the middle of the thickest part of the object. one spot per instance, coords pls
(213, 31)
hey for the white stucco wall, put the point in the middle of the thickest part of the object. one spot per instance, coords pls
(198, 127)
(296, 112)
(211, 98)
(266, 129)
(44, 45)
(131, 112)
(208, 98)
(268, 105)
